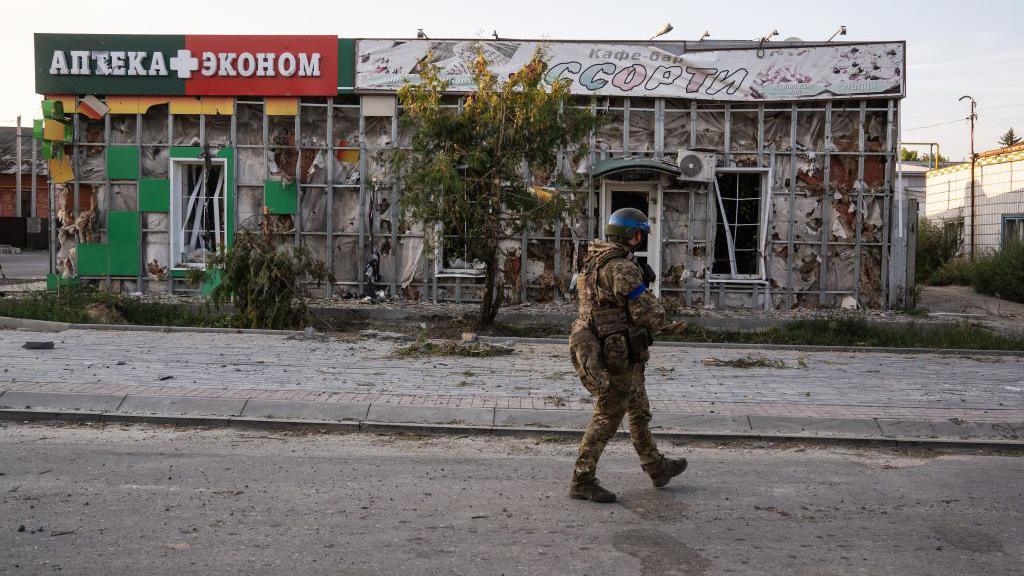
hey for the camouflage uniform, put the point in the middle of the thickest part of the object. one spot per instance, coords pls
(608, 349)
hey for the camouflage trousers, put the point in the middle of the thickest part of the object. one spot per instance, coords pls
(625, 395)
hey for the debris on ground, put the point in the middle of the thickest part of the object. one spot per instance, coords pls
(748, 361)
(104, 313)
(310, 333)
(424, 347)
(677, 328)
(555, 400)
(47, 345)
(379, 335)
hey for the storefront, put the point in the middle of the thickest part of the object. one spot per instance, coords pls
(767, 168)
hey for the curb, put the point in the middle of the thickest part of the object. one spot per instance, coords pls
(7, 322)
(790, 347)
(277, 424)
(49, 326)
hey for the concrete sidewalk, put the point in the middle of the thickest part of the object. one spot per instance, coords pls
(270, 379)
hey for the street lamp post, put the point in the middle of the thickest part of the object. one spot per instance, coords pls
(972, 118)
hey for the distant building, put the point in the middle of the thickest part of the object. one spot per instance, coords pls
(913, 182)
(998, 198)
(9, 171)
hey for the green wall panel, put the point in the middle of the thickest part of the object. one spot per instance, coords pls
(155, 195)
(123, 227)
(122, 162)
(280, 198)
(124, 259)
(93, 260)
(346, 65)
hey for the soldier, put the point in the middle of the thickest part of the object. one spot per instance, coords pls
(618, 317)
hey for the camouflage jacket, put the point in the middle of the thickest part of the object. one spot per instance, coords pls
(612, 294)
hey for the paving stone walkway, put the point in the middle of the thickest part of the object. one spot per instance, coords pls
(538, 376)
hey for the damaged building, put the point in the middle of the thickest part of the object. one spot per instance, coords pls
(767, 168)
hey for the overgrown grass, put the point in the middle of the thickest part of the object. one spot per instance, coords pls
(999, 273)
(856, 332)
(88, 305)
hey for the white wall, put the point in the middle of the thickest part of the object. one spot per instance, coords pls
(999, 190)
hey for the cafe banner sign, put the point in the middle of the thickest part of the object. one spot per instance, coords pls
(664, 69)
(186, 65)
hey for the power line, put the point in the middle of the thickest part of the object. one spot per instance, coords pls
(934, 125)
(999, 119)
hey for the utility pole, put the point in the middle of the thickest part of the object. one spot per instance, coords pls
(17, 174)
(972, 118)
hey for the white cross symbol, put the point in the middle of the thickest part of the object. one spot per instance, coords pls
(184, 63)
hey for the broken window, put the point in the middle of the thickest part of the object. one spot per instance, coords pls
(739, 238)
(198, 212)
(452, 254)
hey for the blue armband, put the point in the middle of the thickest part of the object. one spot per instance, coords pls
(637, 292)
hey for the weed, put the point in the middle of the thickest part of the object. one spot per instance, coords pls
(857, 332)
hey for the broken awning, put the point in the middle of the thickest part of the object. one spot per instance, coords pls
(613, 165)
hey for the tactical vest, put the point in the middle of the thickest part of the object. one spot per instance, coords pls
(598, 307)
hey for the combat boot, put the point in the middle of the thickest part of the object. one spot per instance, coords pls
(664, 470)
(591, 490)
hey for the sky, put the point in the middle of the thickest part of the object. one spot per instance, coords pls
(953, 48)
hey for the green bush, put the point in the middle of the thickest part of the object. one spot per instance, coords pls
(1001, 273)
(936, 246)
(88, 305)
(958, 272)
(858, 332)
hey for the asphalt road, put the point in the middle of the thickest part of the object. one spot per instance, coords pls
(151, 500)
(28, 264)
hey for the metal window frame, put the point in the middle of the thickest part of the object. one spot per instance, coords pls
(764, 202)
(1003, 220)
(174, 215)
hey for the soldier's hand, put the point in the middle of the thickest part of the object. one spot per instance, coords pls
(648, 273)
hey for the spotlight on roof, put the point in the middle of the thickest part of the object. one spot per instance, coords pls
(706, 34)
(664, 30)
(769, 36)
(840, 32)
(420, 34)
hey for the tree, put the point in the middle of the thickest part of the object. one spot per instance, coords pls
(470, 174)
(1009, 139)
(263, 280)
(914, 156)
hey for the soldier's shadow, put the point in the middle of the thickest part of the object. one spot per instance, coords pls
(668, 503)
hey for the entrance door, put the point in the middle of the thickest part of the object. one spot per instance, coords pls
(644, 196)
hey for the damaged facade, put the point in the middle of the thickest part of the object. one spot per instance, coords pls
(768, 170)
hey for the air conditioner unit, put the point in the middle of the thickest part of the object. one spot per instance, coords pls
(696, 166)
